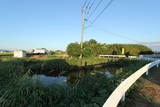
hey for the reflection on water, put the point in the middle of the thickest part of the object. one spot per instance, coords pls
(108, 74)
(70, 77)
(48, 80)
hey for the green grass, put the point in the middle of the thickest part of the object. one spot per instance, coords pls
(6, 54)
(87, 91)
(147, 98)
(22, 93)
(88, 61)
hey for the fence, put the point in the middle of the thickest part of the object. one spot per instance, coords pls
(120, 91)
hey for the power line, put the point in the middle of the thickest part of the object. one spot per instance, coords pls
(88, 4)
(106, 7)
(121, 36)
(84, 5)
(87, 7)
(94, 10)
(90, 7)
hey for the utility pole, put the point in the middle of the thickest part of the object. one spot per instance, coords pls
(84, 11)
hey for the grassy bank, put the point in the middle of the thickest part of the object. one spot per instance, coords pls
(92, 93)
(90, 90)
(55, 65)
(6, 54)
(147, 93)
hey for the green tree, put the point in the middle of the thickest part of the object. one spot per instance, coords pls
(93, 48)
(87, 52)
(92, 42)
(74, 49)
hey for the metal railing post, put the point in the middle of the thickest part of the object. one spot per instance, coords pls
(124, 95)
(147, 72)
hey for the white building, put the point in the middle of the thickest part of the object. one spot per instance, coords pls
(41, 51)
(31, 51)
(19, 54)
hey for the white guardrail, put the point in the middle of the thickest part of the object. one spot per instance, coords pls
(120, 91)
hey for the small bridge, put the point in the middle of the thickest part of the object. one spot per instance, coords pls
(112, 56)
(117, 56)
(119, 92)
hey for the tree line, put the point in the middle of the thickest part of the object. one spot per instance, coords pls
(93, 48)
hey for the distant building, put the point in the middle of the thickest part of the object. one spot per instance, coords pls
(59, 51)
(4, 51)
(19, 54)
(41, 51)
(31, 51)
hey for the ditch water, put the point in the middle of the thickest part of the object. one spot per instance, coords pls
(49, 80)
(69, 77)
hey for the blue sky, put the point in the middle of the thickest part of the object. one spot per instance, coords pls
(52, 24)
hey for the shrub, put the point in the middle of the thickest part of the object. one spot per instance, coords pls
(74, 49)
(91, 90)
(87, 52)
(93, 48)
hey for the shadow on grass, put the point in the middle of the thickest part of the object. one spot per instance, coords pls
(154, 75)
(48, 67)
